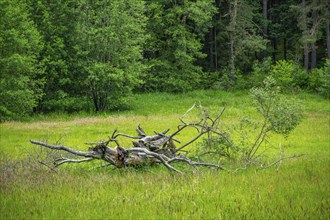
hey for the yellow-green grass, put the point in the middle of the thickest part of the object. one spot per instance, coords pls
(300, 190)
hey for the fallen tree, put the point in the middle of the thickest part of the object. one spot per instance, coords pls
(279, 116)
(159, 148)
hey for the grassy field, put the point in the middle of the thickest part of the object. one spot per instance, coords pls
(300, 190)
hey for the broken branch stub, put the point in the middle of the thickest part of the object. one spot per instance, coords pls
(147, 149)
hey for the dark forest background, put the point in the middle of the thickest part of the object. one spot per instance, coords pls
(89, 55)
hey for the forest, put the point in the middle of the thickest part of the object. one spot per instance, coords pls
(84, 55)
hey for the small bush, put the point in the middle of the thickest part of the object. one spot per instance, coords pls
(17, 99)
(62, 102)
(108, 85)
(209, 80)
(290, 76)
(260, 71)
(226, 83)
(320, 80)
(279, 115)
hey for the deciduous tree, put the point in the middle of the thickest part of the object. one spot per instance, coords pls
(177, 29)
(20, 44)
(111, 36)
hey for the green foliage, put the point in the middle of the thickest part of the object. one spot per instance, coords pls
(17, 99)
(226, 83)
(56, 21)
(50, 48)
(290, 76)
(260, 70)
(216, 148)
(280, 115)
(283, 31)
(176, 32)
(111, 43)
(20, 45)
(320, 80)
(108, 86)
(246, 40)
(63, 102)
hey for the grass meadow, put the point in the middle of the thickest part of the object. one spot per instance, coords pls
(299, 190)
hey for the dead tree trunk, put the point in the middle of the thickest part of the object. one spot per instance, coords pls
(146, 149)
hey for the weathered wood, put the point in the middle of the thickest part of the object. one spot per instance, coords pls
(148, 149)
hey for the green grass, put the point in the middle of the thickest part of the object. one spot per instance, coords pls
(300, 190)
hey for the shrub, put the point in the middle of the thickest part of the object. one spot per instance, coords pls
(290, 76)
(164, 76)
(209, 80)
(279, 115)
(226, 83)
(260, 71)
(63, 102)
(109, 85)
(320, 80)
(17, 99)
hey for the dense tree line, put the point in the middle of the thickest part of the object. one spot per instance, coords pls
(72, 55)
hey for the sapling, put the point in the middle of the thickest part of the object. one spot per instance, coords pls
(279, 115)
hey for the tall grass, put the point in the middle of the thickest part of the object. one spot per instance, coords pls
(300, 190)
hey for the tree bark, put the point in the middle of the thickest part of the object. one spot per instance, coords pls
(265, 16)
(285, 48)
(215, 49)
(265, 27)
(315, 17)
(328, 37)
(305, 34)
(314, 55)
(211, 48)
(306, 56)
(232, 57)
(274, 49)
(233, 13)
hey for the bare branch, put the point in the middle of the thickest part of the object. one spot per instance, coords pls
(67, 160)
(218, 117)
(189, 110)
(59, 147)
(280, 160)
(126, 135)
(52, 169)
(193, 163)
(140, 131)
(191, 141)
